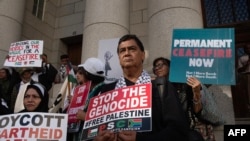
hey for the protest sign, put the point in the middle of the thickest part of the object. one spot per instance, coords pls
(33, 126)
(207, 54)
(107, 53)
(126, 108)
(25, 54)
(77, 103)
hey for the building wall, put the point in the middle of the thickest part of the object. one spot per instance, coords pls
(33, 28)
(139, 25)
(108, 20)
(152, 21)
(62, 18)
(10, 24)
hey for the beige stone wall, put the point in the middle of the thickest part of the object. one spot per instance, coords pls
(10, 24)
(69, 22)
(103, 20)
(139, 24)
(36, 29)
(153, 21)
(62, 18)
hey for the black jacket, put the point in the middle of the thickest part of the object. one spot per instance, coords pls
(3, 105)
(48, 76)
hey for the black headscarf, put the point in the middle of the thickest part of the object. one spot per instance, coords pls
(3, 105)
(43, 106)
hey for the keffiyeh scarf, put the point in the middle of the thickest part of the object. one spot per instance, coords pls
(143, 79)
(63, 71)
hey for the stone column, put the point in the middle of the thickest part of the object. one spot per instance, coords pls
(164, 16)
(104, 19)
(11, 18)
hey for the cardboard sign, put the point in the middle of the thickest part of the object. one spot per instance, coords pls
(77, 103)
(127, 108)
(207, 54)
(33, 126)
(107, 52)
(25, 54)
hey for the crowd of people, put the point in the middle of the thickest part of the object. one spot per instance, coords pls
(15, 81)
(179, 110)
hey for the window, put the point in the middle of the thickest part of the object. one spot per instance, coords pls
(225, 12)
(38, 8)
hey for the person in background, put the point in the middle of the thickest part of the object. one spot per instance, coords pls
(196, 100)
(63, 70)
(45, 74)
(18, 90)
(168, 119)
(244, 71)
(8, 78)
(91, 70)
(81, 80)
(35, 98)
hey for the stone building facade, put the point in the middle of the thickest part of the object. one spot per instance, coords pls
(80, 24)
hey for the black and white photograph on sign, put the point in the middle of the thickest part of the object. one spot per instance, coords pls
(107, 52)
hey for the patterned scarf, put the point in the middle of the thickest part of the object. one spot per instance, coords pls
(63, 71)
(143, 79)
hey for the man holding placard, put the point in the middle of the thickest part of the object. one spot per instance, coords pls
(167, 118)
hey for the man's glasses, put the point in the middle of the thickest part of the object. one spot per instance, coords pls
(158, 66)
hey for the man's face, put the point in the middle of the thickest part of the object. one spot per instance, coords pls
(64, 61)
(130, 54)
(3, 74)
(26, 76)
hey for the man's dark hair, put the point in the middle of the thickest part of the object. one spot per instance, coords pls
(64, 56)
(131, 37)
(45, 55)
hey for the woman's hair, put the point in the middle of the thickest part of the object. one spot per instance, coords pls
(164, 60)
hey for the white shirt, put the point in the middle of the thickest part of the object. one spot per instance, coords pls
(35, 76)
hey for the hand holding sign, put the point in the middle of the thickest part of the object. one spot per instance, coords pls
(25, 54)
(126, 108)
